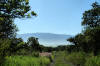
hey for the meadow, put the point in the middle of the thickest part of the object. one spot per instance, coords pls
(26, 61)
(63, 58)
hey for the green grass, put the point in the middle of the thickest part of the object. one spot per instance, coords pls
(26, 61)
(60, 59)
(93, 61)
(83, 59)
(77, 58)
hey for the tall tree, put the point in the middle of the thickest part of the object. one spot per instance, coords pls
(7, 28)
(89, 39)
(91, 18)
(9, 10)
(15, 8)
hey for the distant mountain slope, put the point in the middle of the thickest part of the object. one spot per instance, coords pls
(47, 39)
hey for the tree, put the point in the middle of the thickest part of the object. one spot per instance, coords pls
(91, 18)
(9, 10)
(33, 43)
(78, 41)
(16, 44)
(89, 39)
(15, 8)
(91, 22)
(7, 28)
(94, 39)
(71, 48)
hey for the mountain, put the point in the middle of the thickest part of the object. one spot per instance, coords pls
(47, 39)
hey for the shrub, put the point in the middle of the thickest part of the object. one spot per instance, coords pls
(35, 54)
(22, 52)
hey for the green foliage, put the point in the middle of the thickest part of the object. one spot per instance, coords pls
(76, 58)
(91, 21)
(15, 8)
(33, 13)
(94, 35)
(16, 44)
(93, 61)
(89, 39)
(33, 44)
(4, 46)
(52, 57)
(35, 54)
(7, 28)
(71, 48)
(26, 61)
(60, 59)
(60, 48)
(22, 51)
(9, 10)
(91, 18)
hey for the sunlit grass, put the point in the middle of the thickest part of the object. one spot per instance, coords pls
(26, 61)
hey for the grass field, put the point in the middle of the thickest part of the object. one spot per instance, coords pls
(60, 59)
(26, 61)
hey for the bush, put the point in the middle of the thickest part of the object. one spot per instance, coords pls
(22, 52)
(93, 61)
(35, 54)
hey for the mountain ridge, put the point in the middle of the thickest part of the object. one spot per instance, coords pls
(47, 39)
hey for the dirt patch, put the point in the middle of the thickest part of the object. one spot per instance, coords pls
(45, 54)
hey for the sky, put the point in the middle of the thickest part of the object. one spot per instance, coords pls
(55, 16)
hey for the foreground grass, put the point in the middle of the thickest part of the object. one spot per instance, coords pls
(83, 59)
(63, 58)
(76, 58)
(26, 61)
(93, 61)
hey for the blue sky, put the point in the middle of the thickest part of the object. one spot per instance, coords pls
(55, 16)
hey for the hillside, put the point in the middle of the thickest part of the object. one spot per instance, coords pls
(47, 39)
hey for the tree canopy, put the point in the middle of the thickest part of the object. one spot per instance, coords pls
(9, 10)
(15, 8)
(89, 39)
(91, 18)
